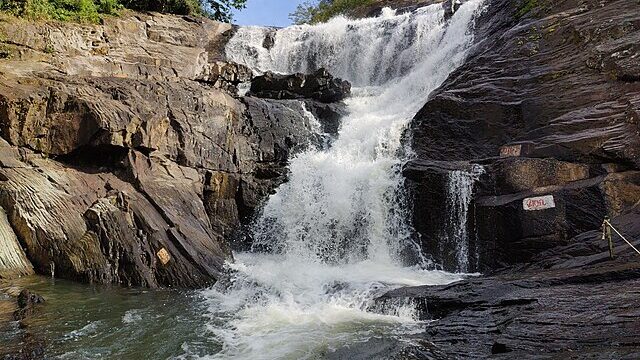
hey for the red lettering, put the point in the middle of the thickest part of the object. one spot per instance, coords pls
(543, 202)
(535, 203)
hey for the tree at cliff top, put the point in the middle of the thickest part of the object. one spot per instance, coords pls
(90, 11)
(312, 12)
(216, 9)
(221, 9)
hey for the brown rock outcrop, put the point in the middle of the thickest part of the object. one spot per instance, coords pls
(128, 156)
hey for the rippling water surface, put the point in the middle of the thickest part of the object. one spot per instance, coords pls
(89, 322)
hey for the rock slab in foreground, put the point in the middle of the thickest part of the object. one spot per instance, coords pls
(570, 302)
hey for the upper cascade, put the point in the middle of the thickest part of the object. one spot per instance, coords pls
(366, 52)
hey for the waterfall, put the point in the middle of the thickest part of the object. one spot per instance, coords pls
(336, 231)
(456, 236)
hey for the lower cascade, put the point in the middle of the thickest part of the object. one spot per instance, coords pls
(335, 236)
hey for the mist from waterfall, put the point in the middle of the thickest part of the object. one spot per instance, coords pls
(336, 231)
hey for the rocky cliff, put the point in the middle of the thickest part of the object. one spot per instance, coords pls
(127, 155)
(543, 123)
(548, 103)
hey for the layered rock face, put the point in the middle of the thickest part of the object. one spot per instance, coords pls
(548, 103)
(542, 125)
(126, 154)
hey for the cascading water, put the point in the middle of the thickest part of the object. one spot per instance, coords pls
(336, 231)
(459, 194)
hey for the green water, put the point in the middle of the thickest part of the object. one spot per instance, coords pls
(92, 322)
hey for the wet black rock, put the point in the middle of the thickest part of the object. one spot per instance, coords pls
(542, 318)
(320, 86)
(584, 306)
(329, 115)
(27, 301)
(567, 299)
(269, 40)
(551, 89)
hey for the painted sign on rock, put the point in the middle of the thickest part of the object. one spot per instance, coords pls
(539, 203)
(164, 256)
(510, 151)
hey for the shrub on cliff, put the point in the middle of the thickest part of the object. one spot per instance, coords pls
(178, 7)
(64, 10)
(311, 12)
(91, 10)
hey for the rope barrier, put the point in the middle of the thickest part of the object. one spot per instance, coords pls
(607, 235)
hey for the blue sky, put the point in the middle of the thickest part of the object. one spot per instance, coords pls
(266, 12)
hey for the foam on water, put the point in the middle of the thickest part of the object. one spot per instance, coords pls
(336, 233)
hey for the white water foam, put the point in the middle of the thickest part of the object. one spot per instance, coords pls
(336, 232)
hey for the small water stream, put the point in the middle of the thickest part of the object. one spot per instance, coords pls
(456, 237)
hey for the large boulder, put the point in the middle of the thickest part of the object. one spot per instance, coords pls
(319, 85)
(320, 92)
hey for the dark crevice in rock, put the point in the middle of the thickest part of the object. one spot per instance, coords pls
(90, 158)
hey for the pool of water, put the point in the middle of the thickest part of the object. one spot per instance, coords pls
(94, 322)
(79, 321)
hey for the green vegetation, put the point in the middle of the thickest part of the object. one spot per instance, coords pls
(5, 51)
(86, 11)
(527, 6)
(311, 12)
(179, 7)
(91, 11)
(221, 9)
(49, 49)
